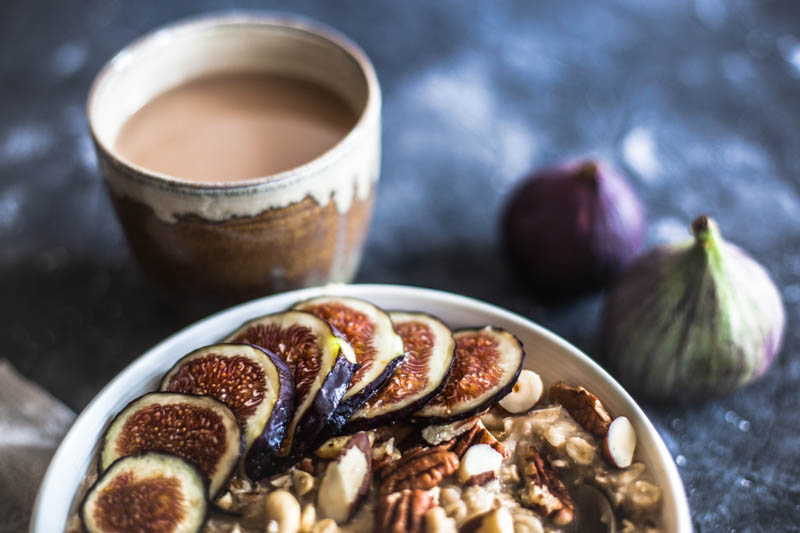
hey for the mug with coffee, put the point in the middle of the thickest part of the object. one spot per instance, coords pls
(241, 154)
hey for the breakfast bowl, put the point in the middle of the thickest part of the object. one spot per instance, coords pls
(549, 355)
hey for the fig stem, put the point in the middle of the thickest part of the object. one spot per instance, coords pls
(706, 235)
(588, 174)
(705, 229)
(587, 171)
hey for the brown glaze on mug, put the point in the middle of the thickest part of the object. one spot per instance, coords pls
(227, 260)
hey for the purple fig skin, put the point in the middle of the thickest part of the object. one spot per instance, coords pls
(570, 230)
(258, 462)
(317, 418)
(349, 406)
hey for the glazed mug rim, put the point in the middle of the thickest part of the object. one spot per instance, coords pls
(163, 35)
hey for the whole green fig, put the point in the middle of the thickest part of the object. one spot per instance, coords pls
(692, 320)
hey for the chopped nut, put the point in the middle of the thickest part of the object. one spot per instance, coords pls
(525, 394)
(457, 511)
(283, 510)
(478, 499)
(281, 482)
(439, 433)
(449, 495)
(478, 434)
(382, 449)
(327, 525)
(620, 443)
(403, 511)
(225, 502)
(584, 407)
(524, 523)
(421, 468)
(544, 491)
(509, 473)
(437, 521)
(494, 521)
(479, 465)
(306, 465)
(303, 482)
(332, 447)
(240, 484)
(307, 518)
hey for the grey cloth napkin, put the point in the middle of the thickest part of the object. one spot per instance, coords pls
(32, 423)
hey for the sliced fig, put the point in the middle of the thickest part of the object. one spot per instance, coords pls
(254, 382)
(487, 363)
(430, 351)
(199, 429)
(322, 366)
(149, 492)
(377, 346)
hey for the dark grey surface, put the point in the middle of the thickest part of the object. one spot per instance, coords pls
(699, 103)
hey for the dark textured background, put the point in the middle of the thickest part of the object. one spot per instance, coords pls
(698, 102)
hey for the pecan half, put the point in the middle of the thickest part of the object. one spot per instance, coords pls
(584, 407)
(477, 435)
(544, 491)
(419, 468)
(403, 512)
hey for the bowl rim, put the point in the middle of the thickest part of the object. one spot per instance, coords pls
(121, 384)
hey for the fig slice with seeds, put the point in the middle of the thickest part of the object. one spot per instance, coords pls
(199, 429)
(377, 346)
(322, 365)
(149, 492)
(255, 383)
(430, 350)
(487, 363)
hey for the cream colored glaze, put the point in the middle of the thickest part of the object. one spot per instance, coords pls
(236, 126)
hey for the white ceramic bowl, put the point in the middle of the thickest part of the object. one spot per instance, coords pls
(549, 355)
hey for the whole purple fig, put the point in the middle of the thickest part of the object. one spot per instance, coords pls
(692, 320)
(570, 230)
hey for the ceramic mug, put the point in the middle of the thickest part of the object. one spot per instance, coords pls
(230, 241)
